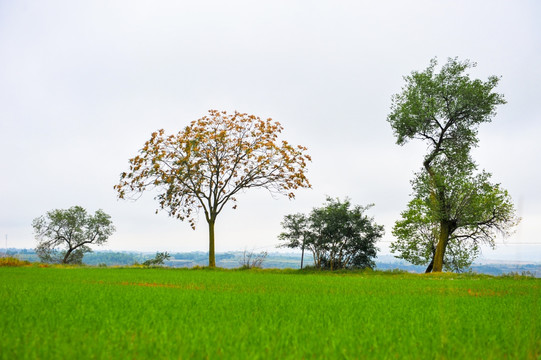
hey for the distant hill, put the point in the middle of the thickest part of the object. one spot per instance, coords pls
(274, 260)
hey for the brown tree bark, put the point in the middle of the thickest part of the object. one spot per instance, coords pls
(67, 255)
(302, 254)
(442, 245)
(430, 266)
(212, 255)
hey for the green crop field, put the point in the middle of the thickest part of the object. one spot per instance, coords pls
(137, 313)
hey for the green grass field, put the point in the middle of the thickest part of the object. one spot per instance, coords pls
(135, 313)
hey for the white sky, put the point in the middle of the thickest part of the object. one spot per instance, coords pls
(84, 83)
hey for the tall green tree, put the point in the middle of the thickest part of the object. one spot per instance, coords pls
(444, 109)
(338, 234)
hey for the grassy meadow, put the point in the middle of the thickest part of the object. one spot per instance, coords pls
(150, 313)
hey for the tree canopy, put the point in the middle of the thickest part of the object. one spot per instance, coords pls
(453, 209)
(210, 161)
(338, 235)
(64, 236)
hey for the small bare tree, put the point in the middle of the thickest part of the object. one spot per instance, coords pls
(251, 260)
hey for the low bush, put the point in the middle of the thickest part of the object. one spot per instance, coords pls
(12, 261)
(250, 260)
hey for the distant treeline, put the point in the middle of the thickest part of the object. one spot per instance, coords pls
(273, 260)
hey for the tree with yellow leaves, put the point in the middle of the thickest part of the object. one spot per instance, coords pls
(214, 158)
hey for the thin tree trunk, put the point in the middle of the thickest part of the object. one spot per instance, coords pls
(433, 250)
(212, 255)
(442, 245)
(302, 254)
(430, 266)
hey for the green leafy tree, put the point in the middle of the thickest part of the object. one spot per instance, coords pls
(476, 212)
(208, 163)
(453, 209)
(64, 236)
(298, 235)
(338, 235)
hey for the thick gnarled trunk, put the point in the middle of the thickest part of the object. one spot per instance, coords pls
(67, 255)
(445, 230)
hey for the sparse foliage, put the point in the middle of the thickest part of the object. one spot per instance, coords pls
(251, 260)
(337, 235)
(64, 236)
(453, 209)
(298, 235)
(208, 163)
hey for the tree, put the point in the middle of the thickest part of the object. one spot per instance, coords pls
(475, 209)
(64, 236)
(298, 234)
(208, 163)
(158, 259)
(338, 236)
(445, 109)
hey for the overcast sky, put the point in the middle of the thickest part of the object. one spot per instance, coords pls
(83, 84)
